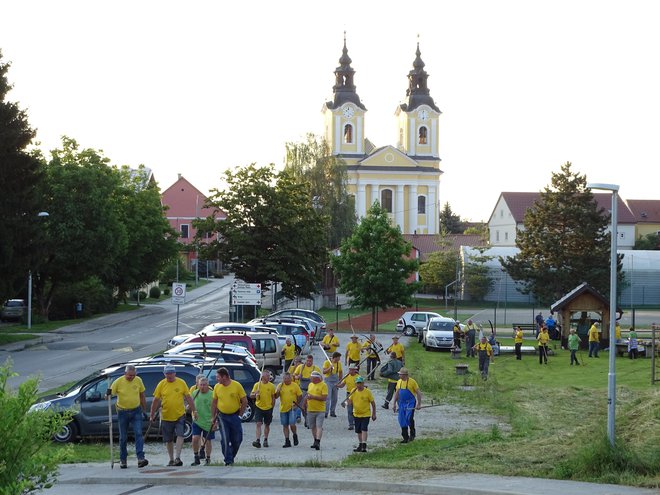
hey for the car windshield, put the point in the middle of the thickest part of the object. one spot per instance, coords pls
(13, 304)
(441, 325)
(75, 388)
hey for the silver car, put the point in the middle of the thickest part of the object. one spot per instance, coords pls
(413, 322)
(439, 333)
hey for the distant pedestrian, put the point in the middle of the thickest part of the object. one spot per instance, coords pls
(353, 351)
(573, 346)
(263, 395)
(171, 392)
(551, 324)
(390, 370)
(288, 353)
(363, 403)
(518, 341)
(229, 403)
(348, 382)
(330, 341)
(617, 333)
(131, 405)
(539, 323)
(303, 375)
(317, 394)
(290, 396)
(470, 335)
(458, 333)
(398, 349)
(407, 398)
(372, 347)
(485, 352)
(332, 373)
(594, 340)
(543, 339)
(202, 427)
(632, 343)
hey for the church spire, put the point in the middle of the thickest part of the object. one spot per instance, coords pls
(418, 92)
(344, 88)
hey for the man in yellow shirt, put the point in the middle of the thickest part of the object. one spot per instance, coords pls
(362, 401)
(332, 374)
(407, 398)
(349, 383)
(398, 349)
(517, 341)
(594, 339)
(317, 394)
(353, 351)
(371, 346)
(131, 405)
(171, 393)
(290, 395)
(229, 403)
(289, 353)
(330, 342)
(485, 353)
(263, 395)
(543, 338)
(303, 375)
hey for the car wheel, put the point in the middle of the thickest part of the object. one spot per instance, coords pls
(408, 331)
(68, 433)
(248, 414)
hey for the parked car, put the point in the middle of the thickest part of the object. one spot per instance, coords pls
(213, 327)
(438, 333)
(228, 336)
(212, 349)
(295, 330)
(413, 322)
(13, 309)
(87, 397)
(321, 325)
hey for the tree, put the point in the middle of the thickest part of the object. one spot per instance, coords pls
(564, 242)
(478, 281)
(650, 242)
(439, 269)
(272, 232)
(311, 161)
(449, 221)
(373, 264)
(25, 465)
(20, 176)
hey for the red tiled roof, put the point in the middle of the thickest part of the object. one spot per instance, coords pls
(428, 243)
(645, 210)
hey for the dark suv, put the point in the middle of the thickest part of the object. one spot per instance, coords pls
(87, 397)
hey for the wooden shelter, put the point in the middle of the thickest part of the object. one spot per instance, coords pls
(584, 299)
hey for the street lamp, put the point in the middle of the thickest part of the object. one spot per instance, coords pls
(611, 377)
(41, 214)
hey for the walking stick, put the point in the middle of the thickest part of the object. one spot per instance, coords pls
(112, 450)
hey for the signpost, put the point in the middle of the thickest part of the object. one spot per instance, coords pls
(178, 298)
(244, 294)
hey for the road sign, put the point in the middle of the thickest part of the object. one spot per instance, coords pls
(244, 294)
(178, 293)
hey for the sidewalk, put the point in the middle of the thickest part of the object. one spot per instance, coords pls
(79, 478)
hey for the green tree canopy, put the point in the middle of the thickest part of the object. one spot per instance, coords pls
(565, 241)
(439, 269)
(478, 281)
(20, 176)
(650, 242)
(373, 264)
(272, 232)
(449, 221)
(312, 162)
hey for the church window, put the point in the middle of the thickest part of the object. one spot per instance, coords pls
(386, 200)
(423, 135)
(348, 134)
(421, 205)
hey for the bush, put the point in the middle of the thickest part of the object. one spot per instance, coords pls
(154, 292)
(166, 291)
(134, 295)
(95, 297)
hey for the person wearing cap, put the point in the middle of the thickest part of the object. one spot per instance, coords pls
(202, 427)
(390, 370)
(131, 405)
(303, 374)
(263, 393)
(288, 353)
(332, 374)
(317, 394)
(228, 405)
(397, 348)
(353, 351)
(485, 352)
(470, 334)
(407, 398)
(171, 392)
(349, 383)
(593, 340)
(371, 347)
(543, 339)
(292, 369)
(330, 341)
(362, 401)
(290, 395)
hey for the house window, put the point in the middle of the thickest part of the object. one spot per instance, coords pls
(386, 200)
(421, 205)
(185, 231)
(506, 236)
(501, 213)
(622, 235)
(497, 236)
(348, 134)
(422, 135)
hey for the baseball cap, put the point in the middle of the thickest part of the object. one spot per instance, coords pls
(169, 369)
(317, 374)
(359, 379)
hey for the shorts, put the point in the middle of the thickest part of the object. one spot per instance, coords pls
(315, 419)
(361, 424)
(173, 429)
(289, 417)
(265, 417)
(197, 430)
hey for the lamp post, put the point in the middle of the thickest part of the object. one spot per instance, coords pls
(41, 214)
(611, 376)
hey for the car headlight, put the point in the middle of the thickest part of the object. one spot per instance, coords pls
(39, 406)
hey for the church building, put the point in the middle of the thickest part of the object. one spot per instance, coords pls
(405, 178)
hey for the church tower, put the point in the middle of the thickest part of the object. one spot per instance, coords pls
(344, 114)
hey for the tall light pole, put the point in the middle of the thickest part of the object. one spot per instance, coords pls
(611, 377)
(41, 214)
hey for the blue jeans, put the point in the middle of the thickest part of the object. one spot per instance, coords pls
(593, 348)
(125, 417)
(231, 436)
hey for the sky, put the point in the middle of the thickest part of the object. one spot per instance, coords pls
(199, 87)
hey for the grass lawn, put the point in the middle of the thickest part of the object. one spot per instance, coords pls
(553, 420)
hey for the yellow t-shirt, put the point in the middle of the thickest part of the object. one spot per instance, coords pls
(288, 394)
(367, 347)
(362, 400)
(171, 395)
(289, 352)
(127, 392)
(593, 334)
(306, 371)
(228, 397)
(410, 384)
(332, 342)
(543, 338)
(350, 382)
(353, 351)
(518, 338)
(617, 332)
(315, 405)
(336, 368)
(266, 394)
(485, 347)
(398, 348)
